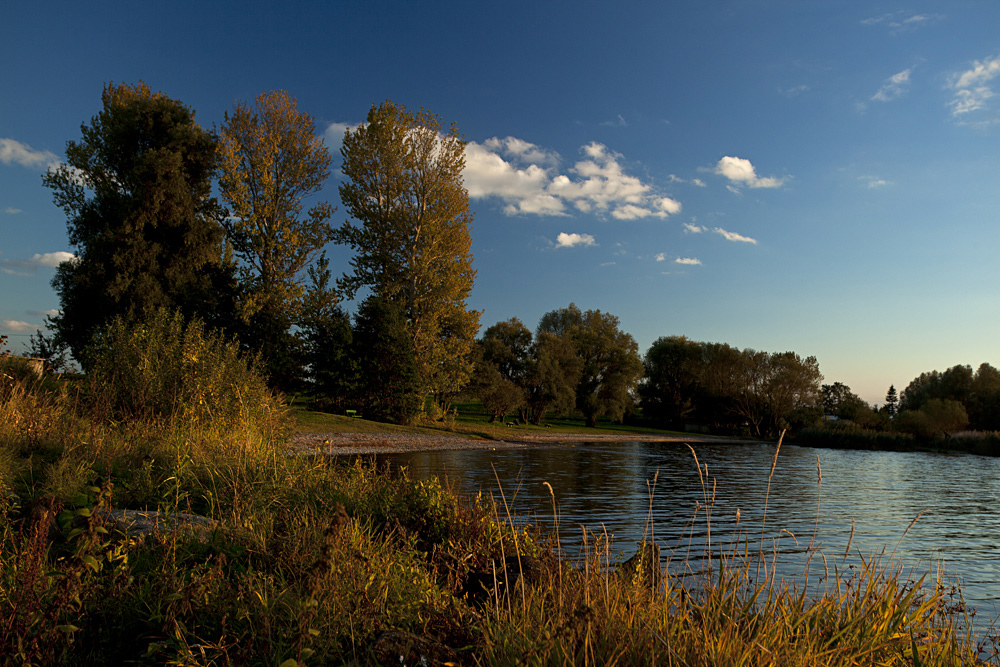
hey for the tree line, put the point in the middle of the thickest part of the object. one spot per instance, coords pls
(149, 233)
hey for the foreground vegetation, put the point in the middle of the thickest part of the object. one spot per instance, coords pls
(325, 562)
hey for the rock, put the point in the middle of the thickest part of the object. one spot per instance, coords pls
(644, 565)
(395, 648)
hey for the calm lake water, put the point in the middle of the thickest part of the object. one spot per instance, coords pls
(606, 487)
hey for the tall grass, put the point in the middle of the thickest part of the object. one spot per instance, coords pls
(328, 562)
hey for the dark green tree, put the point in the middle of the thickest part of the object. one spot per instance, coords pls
(146, 231)
(552, 377)
(326, 337)
(610, 364)
(388, 385)
(670, 388)
(501, 368)
(891, 401)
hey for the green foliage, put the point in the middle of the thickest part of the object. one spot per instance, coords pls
(413, 242)
(272, 159)
(159, 368)
(610, 367)
(388, 384)
(731, 389)
(136, 190)
(326, 336)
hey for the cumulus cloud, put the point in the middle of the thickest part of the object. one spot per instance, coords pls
(10, 210)
(565, 240)
(893, 87)
(25, 267)
(741, 172)
(973, 87)
(733, 236)
(617, 122)
(333, 137)
(14, 152)
(874, 182)
(528, 180)
(17, 326)
(44, 313)
(661, 257)
(692, 228)
(688, 261)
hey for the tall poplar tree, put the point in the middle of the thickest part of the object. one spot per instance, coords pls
(136, 189)
(271, 160)
(411, 234)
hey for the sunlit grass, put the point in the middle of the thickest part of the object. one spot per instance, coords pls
(324, 562)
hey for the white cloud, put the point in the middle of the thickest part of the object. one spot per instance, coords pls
(14, 152)
(893, 87)
(688, 261)
(794, 91)
(661, 257)
(874, 182)
(740, 172)
(333, 136)
(733, 236)
(44, 313)
(52, 259)
(565, 240)
(618, 122)
(692, 228)
(25, 267)
(972, 87)
(10, 210)
(17, 326)
(902, 21)
(673, 178)
(527, 179)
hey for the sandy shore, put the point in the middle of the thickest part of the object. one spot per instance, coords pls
(311, 444)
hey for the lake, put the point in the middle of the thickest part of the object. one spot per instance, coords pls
(610, 487)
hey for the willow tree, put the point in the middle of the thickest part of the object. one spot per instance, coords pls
(411, 234)
(271, 160)
(136, 189)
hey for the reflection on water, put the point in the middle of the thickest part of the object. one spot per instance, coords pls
(607, 487)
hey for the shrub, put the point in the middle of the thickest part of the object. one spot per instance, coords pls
(159, 367)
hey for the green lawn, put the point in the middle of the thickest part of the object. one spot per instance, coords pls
(470, 422)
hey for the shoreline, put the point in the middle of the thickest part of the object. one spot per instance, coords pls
(355, 444)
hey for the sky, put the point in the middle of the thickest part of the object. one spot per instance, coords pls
(819, 177)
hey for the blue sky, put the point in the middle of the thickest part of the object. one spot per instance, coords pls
(811, 176)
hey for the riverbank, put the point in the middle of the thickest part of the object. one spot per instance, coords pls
(363, 444)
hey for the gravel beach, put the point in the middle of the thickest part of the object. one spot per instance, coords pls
(326, 444)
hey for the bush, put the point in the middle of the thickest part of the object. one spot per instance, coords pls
(159, 367)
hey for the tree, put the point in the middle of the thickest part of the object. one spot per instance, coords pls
(387, 374)
(501, 368)
(936, 417)
(271, 160)
(413, 243)
(891, 401)
(136, 190)
(326, 341)
(552, 377)
(610, 364)
(670, 386)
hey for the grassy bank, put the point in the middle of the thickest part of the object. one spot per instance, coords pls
(320, 562)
